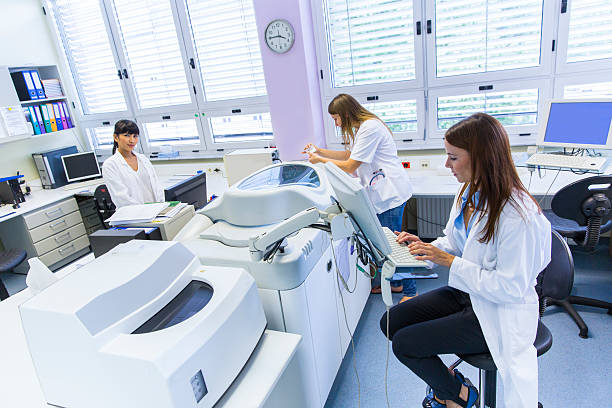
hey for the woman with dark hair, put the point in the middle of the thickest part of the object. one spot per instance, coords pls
(372, 154)
(495, 243)
(129, 176)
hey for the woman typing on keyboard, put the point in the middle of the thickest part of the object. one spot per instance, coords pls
(129, 176)
(372, 154)
(496, 243)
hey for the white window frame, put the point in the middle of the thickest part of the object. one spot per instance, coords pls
(518, 134)
(406, 139)
(222, 109)
(562, 67)
(328, 91)
(199, 143)
(594, 77)
(206, 148)
(546, 53)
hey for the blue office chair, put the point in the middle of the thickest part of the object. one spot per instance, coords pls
(555, 281)
(9, 260)
(581, 211)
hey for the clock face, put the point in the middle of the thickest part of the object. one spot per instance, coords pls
(280, 36)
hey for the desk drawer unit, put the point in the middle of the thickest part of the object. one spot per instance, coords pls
(59, 239)
(55, 234)
(55, 227)
(53, 212)
(59, 254)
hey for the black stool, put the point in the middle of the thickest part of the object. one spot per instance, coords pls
(9, 259)
(484, 361)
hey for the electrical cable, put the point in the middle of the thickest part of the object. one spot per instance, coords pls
(346, 321)
(549, 187)
(422, 219)
(387, 363)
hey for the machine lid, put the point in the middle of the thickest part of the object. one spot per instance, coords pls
(233, 235)
(288, 174)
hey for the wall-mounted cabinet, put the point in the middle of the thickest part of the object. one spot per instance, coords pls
(32, 102)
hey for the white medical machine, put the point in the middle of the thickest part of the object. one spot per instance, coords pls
(275, 225)
(145, 325)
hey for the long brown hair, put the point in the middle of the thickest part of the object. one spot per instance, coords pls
(352, 115)
(493, 171)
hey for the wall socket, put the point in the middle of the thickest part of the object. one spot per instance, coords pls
(424, 164)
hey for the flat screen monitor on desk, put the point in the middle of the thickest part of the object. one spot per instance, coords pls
(580, 124)
(81, 166)
(191, 191)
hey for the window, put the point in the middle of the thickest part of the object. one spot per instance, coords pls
(486, 35)
(227, 48)
(90, 55)
(180, 68)
(590, 30)
(370, 42)
(151, 48)
(591, 91)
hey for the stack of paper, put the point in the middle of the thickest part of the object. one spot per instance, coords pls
(174, 207)
(52, 88)
(133, 214)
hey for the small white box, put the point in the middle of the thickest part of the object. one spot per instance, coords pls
(243, 162)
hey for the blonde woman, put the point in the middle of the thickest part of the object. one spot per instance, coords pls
(371, 154)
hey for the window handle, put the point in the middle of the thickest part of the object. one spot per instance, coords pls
(119, 74)
(563, 6)
(418, 28)
(125, 74)
(192, 63)
(428, 26)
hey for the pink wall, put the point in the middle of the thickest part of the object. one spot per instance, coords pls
(292, 79)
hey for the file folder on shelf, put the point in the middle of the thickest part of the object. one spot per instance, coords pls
(51, 117)
(33, 120)
(60, 107)
(46, 118)
(58, 117)
(24, 85)
(41, 122)
(67, 114)
(37, 84)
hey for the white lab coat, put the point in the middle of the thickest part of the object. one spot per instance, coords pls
(124, 185)
(500, 277)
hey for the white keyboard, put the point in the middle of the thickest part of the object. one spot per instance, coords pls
(400, 255)
(566, 161)
(84, 184)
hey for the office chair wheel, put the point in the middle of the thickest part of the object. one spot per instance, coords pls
(540, 405)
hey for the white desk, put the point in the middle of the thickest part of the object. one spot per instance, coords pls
(270, 378)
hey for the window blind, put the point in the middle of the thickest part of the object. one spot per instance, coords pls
(594, 90)
(241, 128)
(474, 36)
(509, 107)
(400, 116)
(101, 137)
(86, 42)
(172, 132)
(227, 48)
(590, 30)
(370, 42)
(150, 44)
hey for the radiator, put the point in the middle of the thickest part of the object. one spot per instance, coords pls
(432, 214)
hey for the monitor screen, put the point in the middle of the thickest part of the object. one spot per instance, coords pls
(578, 124)
(353, 199)
(191, 191)
(81, 166)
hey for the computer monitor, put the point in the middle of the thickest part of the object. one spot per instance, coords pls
(80, 166)
(582, 124)
(353, 198)
(191, 191)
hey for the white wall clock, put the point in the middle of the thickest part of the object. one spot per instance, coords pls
(280, 36)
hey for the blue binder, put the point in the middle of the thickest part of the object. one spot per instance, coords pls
(34, 120)
(67, 115)
(58, 117)
(37, 85)
(41, 123)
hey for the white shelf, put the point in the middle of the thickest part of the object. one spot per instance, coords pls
(59, 98)
(32, 136)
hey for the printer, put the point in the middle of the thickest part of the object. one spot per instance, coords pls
(299, 287)
(144, 325)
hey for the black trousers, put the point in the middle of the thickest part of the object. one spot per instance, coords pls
(437, 322)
